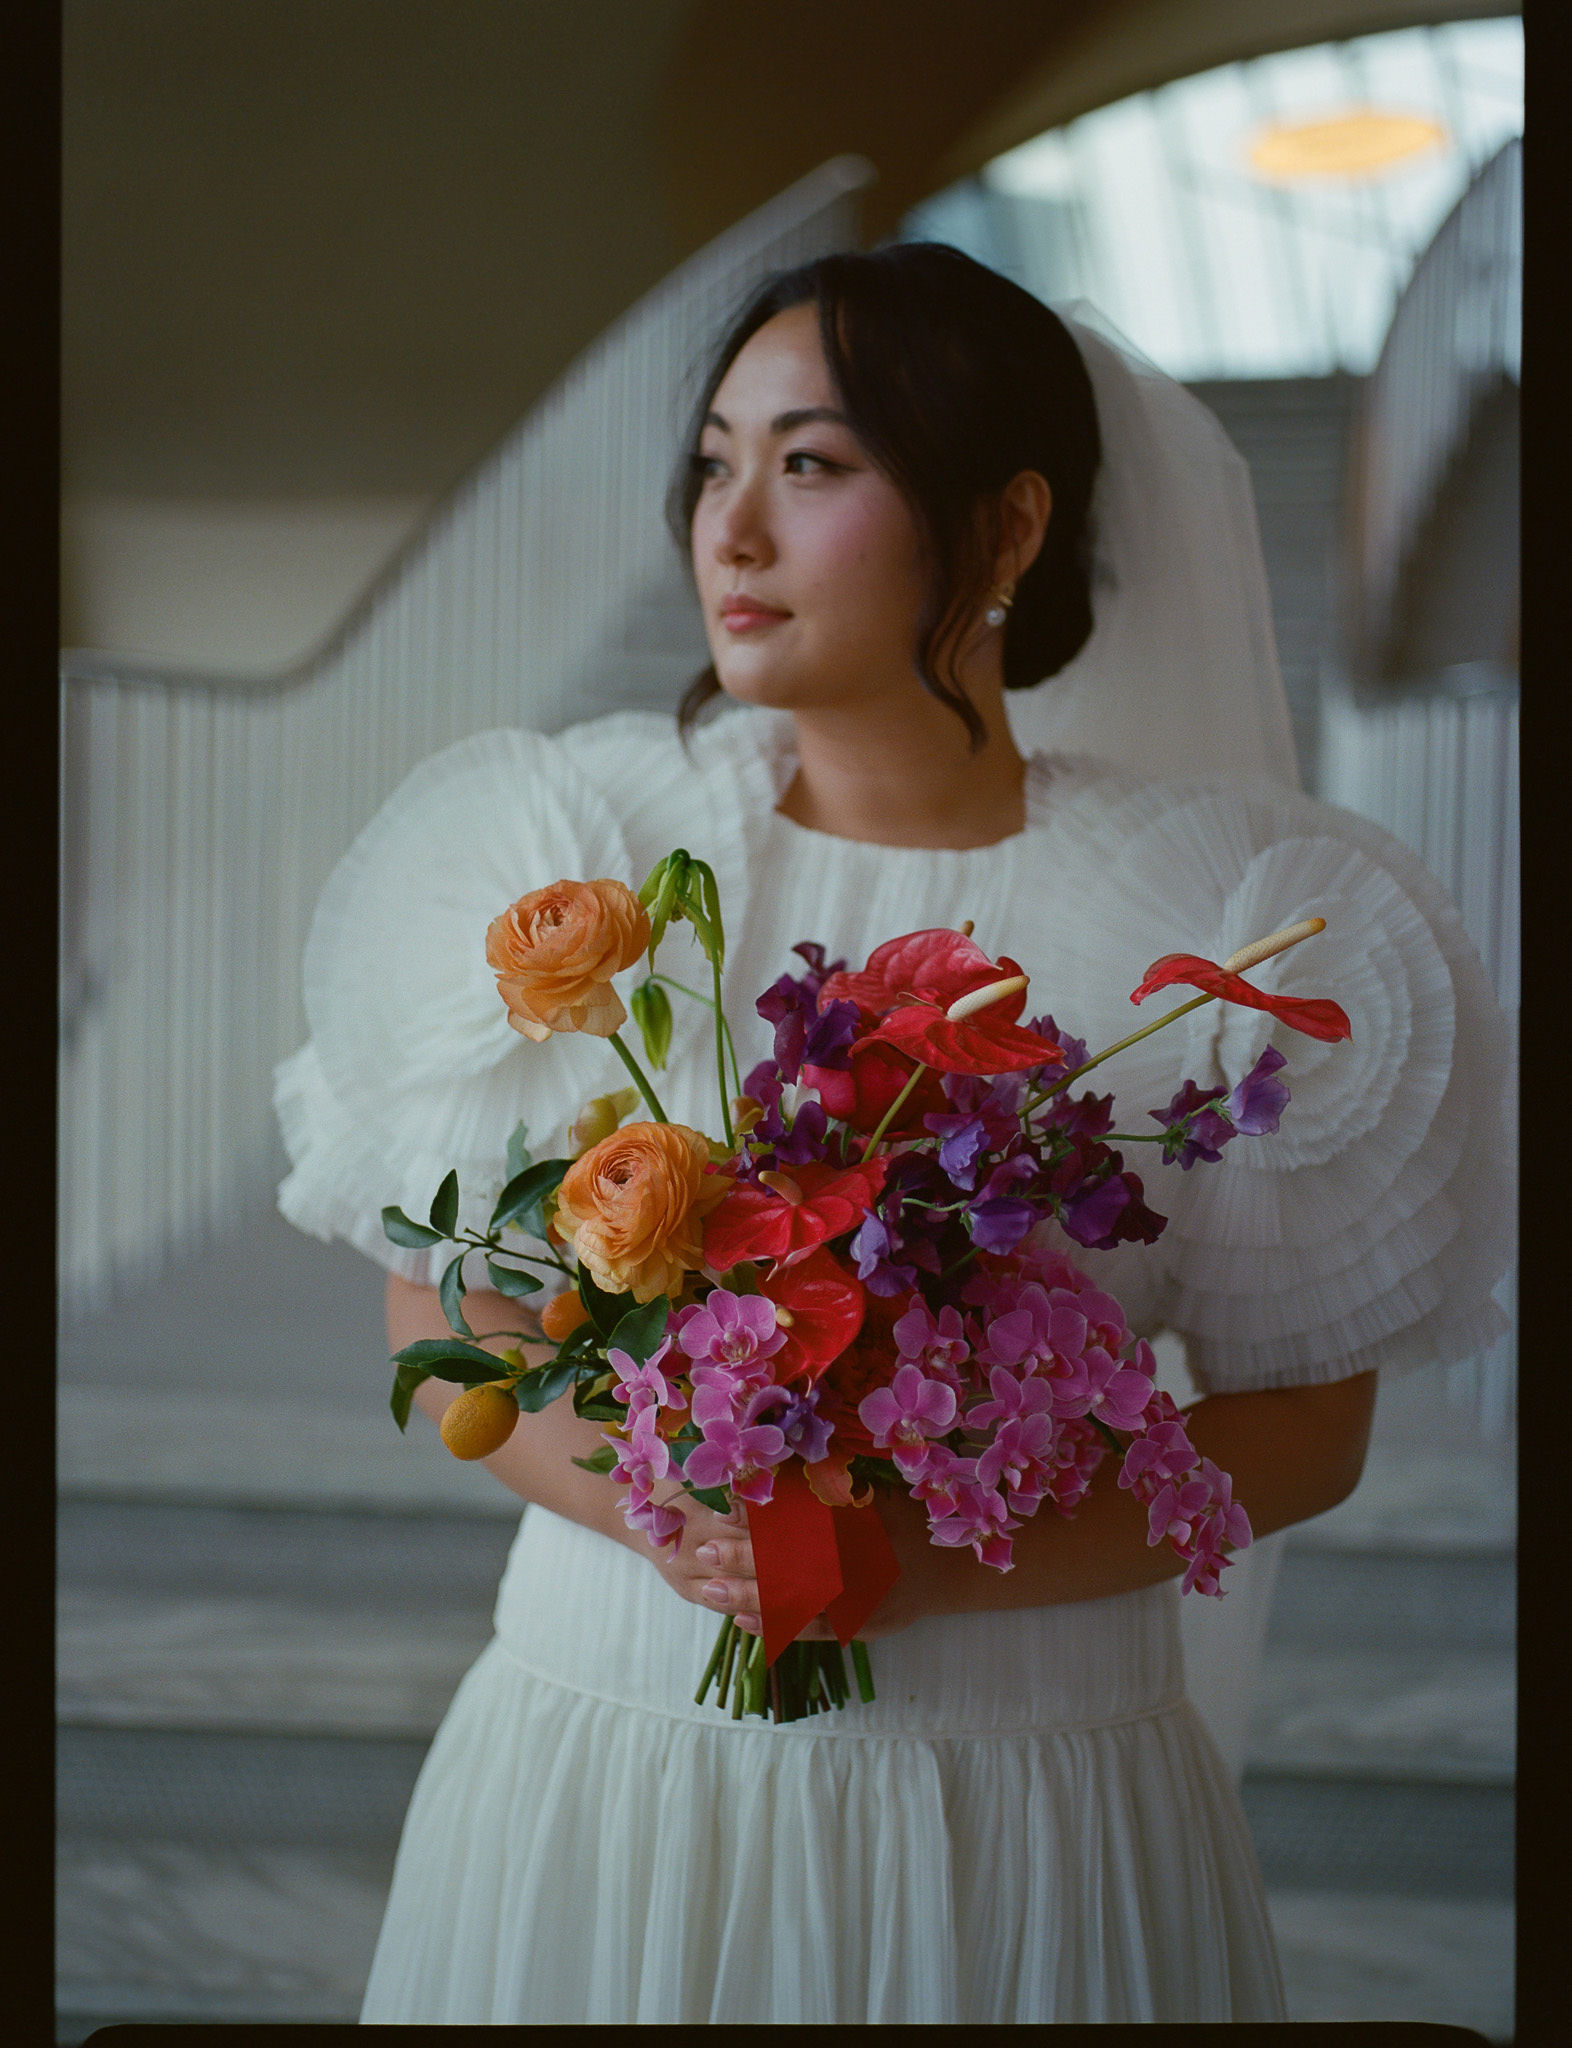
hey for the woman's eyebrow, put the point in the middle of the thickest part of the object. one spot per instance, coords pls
(787, 422)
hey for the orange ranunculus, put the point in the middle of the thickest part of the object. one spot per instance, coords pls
(555, 951)
(632, 1207)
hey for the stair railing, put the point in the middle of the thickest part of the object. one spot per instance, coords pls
(202, 816)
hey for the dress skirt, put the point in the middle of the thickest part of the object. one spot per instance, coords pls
(1029, 1824)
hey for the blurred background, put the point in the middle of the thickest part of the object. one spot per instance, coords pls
(377, 318)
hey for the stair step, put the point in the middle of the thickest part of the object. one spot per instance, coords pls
(1355, 1714)
(1396, 1837)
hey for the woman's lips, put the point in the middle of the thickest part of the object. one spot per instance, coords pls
(747, 614)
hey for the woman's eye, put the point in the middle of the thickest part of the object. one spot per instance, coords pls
(706, 466)
(803, 462)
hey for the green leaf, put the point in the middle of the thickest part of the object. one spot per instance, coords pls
(606, 1310)
(518, 1151)
(641, 1329)
(450, 1292)
(402, 1231)
(598, 1409)
(526, 1189)
(405, 1381)
(709, 896)
(710, 1497)
(651, 1007)
(602, 1460)
(444, 1207)
(537, 1389)
(582, 1345)
(512, 1280)
(446, 1359)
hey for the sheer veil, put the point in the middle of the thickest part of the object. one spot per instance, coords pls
(1180, 675)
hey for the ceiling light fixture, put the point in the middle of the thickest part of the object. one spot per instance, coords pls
(1364, 142)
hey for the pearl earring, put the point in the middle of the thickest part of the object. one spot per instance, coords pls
(1000, 601)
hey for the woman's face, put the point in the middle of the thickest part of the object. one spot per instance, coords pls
(807, 559)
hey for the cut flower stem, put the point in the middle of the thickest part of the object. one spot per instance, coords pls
(640, 1080)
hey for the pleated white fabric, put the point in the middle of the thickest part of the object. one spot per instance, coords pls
(1028, 1824)
(1031, 1823)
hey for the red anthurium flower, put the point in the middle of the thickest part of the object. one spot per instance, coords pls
(826, 1306)
(984, 1043)
(911, 984)
(860, 1092)
(818, 1202)
(924, 967)
(1316, 1016)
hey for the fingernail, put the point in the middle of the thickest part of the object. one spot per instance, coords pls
(714, 1592)
(750, 1622)
(708, 1553)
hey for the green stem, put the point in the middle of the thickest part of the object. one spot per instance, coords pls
(1108, 1051)
(731, 1632)
(731, 1050)
(894, 1110)
(710, 1669)
(720, 1058)
(709, 1004)
(864, 1671)
(639, 1080)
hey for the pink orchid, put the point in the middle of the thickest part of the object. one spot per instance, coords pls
(910, 1409)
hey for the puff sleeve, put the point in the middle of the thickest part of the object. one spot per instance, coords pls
(411, 1067)
(1370, 1230)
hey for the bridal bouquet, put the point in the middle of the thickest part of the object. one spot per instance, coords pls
(861, 1284)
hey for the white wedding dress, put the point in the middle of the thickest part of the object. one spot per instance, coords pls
(1031, 1823)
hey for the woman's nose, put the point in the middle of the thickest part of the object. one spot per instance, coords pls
(742, 531)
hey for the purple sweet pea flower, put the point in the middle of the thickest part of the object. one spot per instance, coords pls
(795, 1414)
(1074, 1049)
(1000, 1216)
(888, 1262)
(792, 1006)
(1000, 1226)
(763, 1084)
(1193, 1130)
(1260, 1099)
(963, 1142)
(830, 1036)
(1088, 1115)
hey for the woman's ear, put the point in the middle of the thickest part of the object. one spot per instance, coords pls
(1025, 507)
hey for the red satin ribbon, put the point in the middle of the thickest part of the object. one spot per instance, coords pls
(811, 1559)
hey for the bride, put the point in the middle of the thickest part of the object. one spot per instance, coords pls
(898, 497)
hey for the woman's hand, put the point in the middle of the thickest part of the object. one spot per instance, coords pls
(711, 1564)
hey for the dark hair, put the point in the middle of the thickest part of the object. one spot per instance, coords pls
(954, 380)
